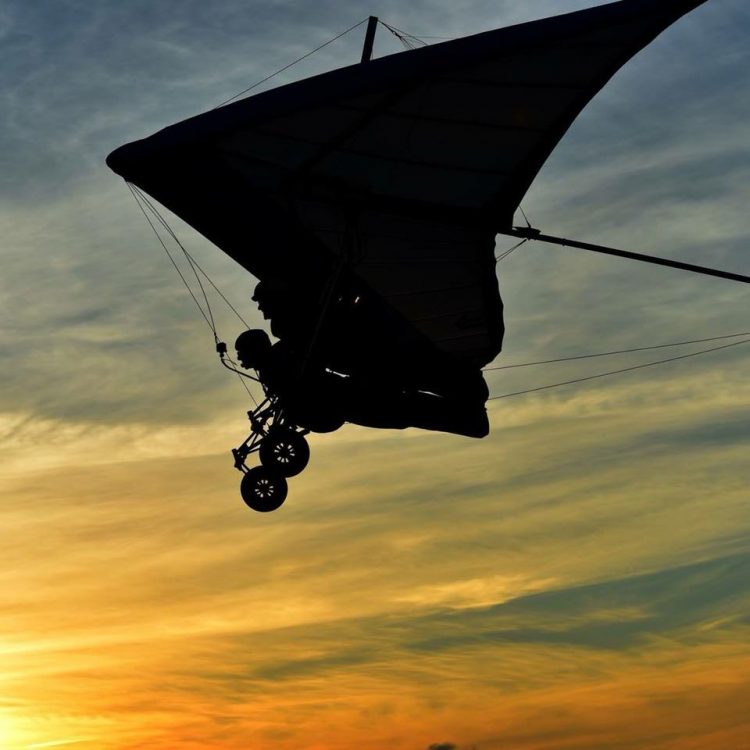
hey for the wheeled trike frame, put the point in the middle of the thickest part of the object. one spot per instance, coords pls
(283, 452)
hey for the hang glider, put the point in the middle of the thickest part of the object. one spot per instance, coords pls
(383, 184)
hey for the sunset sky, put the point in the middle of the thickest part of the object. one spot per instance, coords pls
(578, 580)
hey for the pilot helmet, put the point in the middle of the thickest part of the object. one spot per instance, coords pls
(252, 348)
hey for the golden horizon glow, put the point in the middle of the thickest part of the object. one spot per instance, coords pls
(578, 580)
(146, 604)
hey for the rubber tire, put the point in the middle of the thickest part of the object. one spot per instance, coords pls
(262, 490)
(285, 452)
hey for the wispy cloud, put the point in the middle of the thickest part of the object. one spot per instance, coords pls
(585, 564)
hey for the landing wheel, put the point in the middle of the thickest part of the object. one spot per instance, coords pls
(263, 490)
(285, 452)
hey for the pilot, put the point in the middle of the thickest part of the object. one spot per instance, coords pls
(313, 396)
(287, 310)
(320, 399)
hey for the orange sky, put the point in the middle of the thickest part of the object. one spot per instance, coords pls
(386, 605)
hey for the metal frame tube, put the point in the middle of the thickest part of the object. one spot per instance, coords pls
(535, 234)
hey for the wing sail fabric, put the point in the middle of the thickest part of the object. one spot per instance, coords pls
(407, 165)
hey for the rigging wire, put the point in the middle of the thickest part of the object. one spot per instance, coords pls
(404, 37)
(286, 67)
(136, 193)
(618, 351)
(428, 36)
(241, 379)
(172, 260)
(506, 253)
(406, 44)
(188, 257)
(191, 260)
(617, 372)
(217, 290)
(525, 218)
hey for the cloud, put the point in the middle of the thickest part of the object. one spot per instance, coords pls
(97, 311)
(615, 614)
(585, 563)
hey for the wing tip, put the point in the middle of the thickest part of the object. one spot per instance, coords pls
(117, 160)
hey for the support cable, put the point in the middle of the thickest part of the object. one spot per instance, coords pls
(217, 290)
(618, 351)
(191, 260)
(286, 67)
(525, 218)
(617, 372)
(138, 196)
(188, 258)
(404, 37)
(240, 376)
(506, 253)
(172, 260)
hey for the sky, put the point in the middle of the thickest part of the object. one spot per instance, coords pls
(577, 580)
